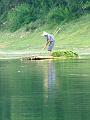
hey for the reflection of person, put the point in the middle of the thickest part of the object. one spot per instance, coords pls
(50, 41)
(51, 73)
(50, 79)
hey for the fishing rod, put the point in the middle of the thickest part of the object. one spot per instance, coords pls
(56, 30)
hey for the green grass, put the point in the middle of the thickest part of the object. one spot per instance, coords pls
(65, 54)
(75, 34)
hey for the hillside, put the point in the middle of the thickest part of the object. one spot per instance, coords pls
(74, 35)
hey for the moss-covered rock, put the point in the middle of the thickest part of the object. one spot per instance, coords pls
(65, 54)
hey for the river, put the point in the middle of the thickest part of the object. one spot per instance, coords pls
(45, 90)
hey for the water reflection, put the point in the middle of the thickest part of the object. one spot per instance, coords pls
(49, 80)
(45, 90)
(51, 74)
(5, 103)
(49, 94)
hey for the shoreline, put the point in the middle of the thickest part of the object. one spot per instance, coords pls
(24, 54)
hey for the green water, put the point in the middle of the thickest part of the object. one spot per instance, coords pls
(45, 90)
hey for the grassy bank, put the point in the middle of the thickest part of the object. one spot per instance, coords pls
(72, 35)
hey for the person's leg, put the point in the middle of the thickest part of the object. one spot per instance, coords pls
(49, 53)
(50, 47)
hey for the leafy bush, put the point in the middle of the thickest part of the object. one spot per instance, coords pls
(20, 12)
(31, 27)
(3, 20)
(34, 25)
(66, 54)
(86, 6)
(58, 14)
(19, 16)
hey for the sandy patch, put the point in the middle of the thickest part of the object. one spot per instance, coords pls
(2, 45)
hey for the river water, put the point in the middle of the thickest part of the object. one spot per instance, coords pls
(45, 90)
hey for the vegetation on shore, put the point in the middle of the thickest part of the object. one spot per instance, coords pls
(14, 14)
(22, 23)
(65, 54)
(75, 34)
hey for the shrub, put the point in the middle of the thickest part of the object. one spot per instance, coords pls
(19, 16)
(86, 6)
(66, 54)
(58, 14)
(34, 25)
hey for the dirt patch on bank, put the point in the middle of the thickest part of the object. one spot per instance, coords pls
(2, 46)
